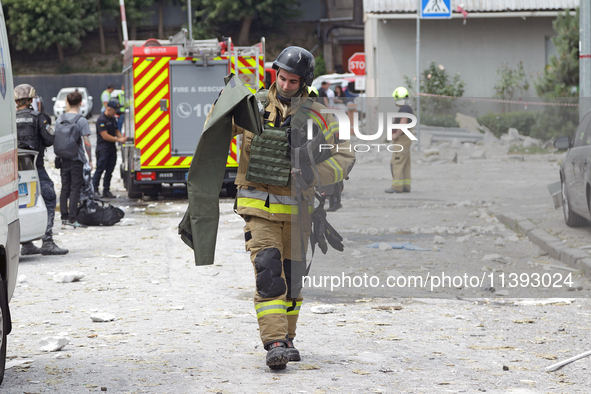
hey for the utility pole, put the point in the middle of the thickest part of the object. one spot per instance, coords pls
(191, 20)
(418, 88)
(584, 57)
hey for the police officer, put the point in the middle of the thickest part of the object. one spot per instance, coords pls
(107, 135)
(34, 132)
(277, 221)
(400, 162)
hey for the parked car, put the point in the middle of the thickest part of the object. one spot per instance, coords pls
(59, 106)
(334, 80)
(575, 174)
(31, 207)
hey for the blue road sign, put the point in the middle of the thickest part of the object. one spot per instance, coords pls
(435, 9)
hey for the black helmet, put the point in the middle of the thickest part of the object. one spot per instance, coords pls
(296, 60)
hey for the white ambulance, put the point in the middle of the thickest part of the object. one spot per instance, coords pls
(9, 193)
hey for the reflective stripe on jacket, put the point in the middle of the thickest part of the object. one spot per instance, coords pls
(279, 202)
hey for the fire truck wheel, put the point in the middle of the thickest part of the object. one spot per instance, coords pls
(131, 191)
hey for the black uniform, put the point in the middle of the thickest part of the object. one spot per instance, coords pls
(106, 152)
(34, 132)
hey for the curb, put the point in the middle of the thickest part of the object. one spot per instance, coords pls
(572, 257)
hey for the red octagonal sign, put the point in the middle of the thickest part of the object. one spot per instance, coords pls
(357, 63)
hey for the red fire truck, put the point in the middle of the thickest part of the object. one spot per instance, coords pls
(170, 87)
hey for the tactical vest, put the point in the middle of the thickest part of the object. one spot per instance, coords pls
(270, 153)
(26, 128)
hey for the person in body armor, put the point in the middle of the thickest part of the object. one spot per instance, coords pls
(34, 132)
(400, 162)
(277, 222)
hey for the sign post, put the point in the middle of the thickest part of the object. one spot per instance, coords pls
(356, 65)
(435, 9)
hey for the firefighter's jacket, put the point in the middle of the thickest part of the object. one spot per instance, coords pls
(198, 228)
(278, 203)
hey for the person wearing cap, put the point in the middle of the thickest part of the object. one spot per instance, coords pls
(107, 135)
(400, 162)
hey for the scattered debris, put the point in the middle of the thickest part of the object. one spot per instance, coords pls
(384, 246)
(561, 364)
(323, 309)
(478, 154)
(14, 363)
(545, 301)
(388, 307)
(102, 317)
(397, 245)
(22, 279)
(68, 277)
(438, 240)
(53, 344)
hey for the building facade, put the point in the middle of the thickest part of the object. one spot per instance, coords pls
(494, 32)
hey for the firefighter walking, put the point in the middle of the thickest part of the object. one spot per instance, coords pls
(279, 168)
(400, 161)
(276, 231)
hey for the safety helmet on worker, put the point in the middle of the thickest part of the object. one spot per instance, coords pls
(24, 91)
(400, 93)
(298, 61)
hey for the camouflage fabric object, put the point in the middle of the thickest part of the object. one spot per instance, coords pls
(24, 91)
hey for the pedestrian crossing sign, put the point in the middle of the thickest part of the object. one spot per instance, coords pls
(435, 9)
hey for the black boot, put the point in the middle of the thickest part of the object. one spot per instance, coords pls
(49, 247)
(29, 248)
(277, 357)
(292, 353)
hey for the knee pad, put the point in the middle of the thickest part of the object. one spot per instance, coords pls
(267, 264)
(294, 272)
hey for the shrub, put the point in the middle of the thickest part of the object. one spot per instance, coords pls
(439, 120)
(500, 123)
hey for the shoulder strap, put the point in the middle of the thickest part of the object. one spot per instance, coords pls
(262, 96)
(298, 121)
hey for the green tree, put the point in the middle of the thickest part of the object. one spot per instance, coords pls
(436, 80)
(40, 24)
(560, 78)
(512, 82)
(216, 16)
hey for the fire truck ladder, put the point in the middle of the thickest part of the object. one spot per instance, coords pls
(202, 49)
(243, 69)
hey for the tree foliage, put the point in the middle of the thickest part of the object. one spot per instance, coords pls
(237, 16)
(436, 80)
(513, 82)
(35, 24)
(560, 78)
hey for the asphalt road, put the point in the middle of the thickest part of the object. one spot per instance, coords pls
(178, 328)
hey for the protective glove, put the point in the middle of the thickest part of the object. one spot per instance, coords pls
(322, 232)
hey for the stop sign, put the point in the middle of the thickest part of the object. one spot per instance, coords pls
(357, 63)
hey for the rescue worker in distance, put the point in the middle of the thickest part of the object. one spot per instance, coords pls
(275, 229)
(34, 132)
(400, 162)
